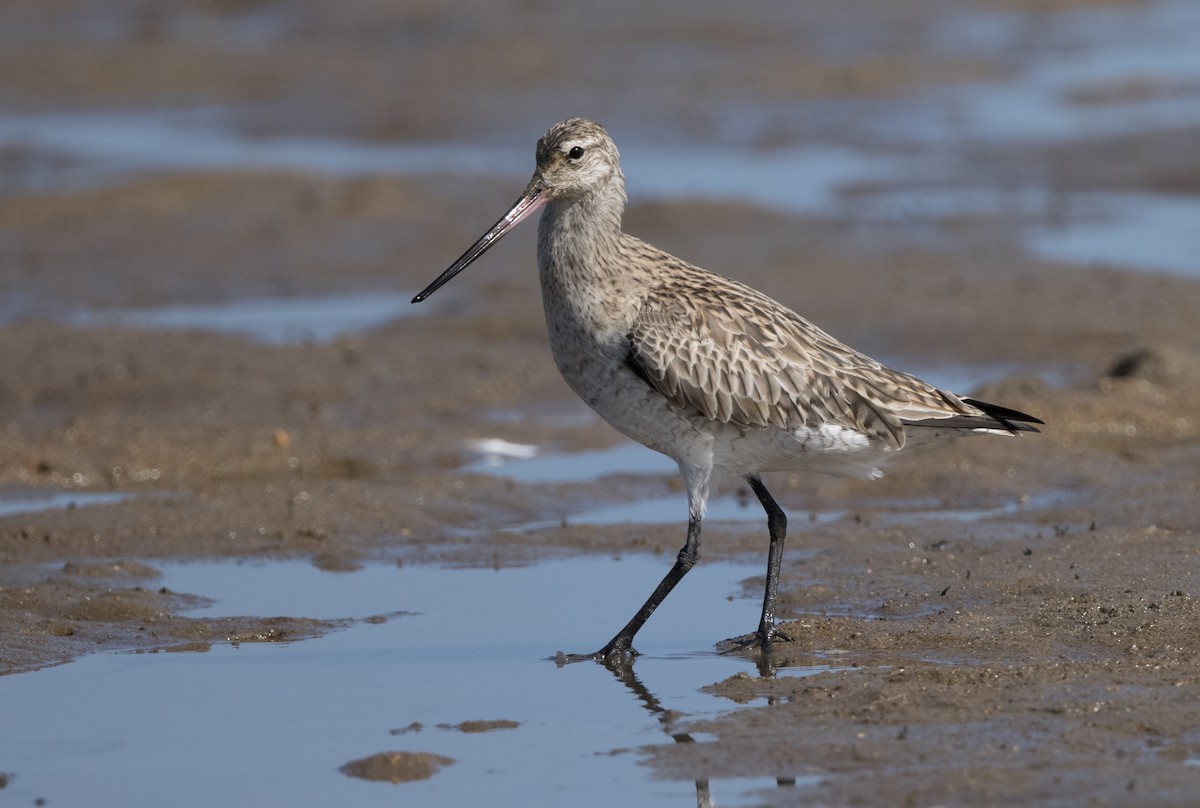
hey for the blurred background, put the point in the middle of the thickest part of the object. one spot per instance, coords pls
(1032, 132)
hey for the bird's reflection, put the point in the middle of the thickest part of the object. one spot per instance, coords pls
(668, 719)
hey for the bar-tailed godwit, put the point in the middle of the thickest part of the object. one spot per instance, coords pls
(718, 376)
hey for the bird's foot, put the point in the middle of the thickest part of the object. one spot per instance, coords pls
(764, 640)
(613, 655)
(774, 635)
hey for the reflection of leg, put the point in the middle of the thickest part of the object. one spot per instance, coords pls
(777, 526)
(670, 718)
(667, 718)
(626, 676)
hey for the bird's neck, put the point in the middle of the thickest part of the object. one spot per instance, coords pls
(578, 237)
(576, 220)
(584, 281)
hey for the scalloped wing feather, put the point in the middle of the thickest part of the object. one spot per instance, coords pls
(736, 356)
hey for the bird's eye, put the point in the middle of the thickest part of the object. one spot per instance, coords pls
(575, 153)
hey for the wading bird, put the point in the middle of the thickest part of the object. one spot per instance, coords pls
(714, 374)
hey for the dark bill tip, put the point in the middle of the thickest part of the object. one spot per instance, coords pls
(530, 201)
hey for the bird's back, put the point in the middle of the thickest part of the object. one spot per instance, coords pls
(697, 365)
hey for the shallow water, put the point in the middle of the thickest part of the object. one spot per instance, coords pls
(36, 500)
(529, 464)
(274, 722)
(665, 510)
(1089, 50)
(116, 144)
(276, 321)
(1154, 231)
(112, 145)
(672, 509)
(533, 465)
(1151, 231)
(1073, 83)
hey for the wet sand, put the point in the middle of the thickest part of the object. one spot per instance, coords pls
(1046, 657)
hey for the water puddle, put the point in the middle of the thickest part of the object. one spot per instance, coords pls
(730, 508)
(105, 146)
(274, 722)
(527, 464)
(94, 148)
(892, 512)
(1097, 49)
(37, 500)
(1096, 72)
(275, 321)
(1079, 54)
(1093, 72)
(1150, 231)
(801, 180)
(671, 509)
(1155, 231)
(964, 379)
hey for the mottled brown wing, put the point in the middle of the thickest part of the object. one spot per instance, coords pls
(736, 356)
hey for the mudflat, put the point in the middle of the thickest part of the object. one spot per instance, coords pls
(1035, 644)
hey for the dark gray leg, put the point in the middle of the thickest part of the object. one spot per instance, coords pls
(622, 644)
(777, 526)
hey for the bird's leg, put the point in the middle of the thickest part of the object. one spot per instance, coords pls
(689, 554)
(622, 644)
(777, 526)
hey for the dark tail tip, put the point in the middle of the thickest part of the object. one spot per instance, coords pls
(1012, 420)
